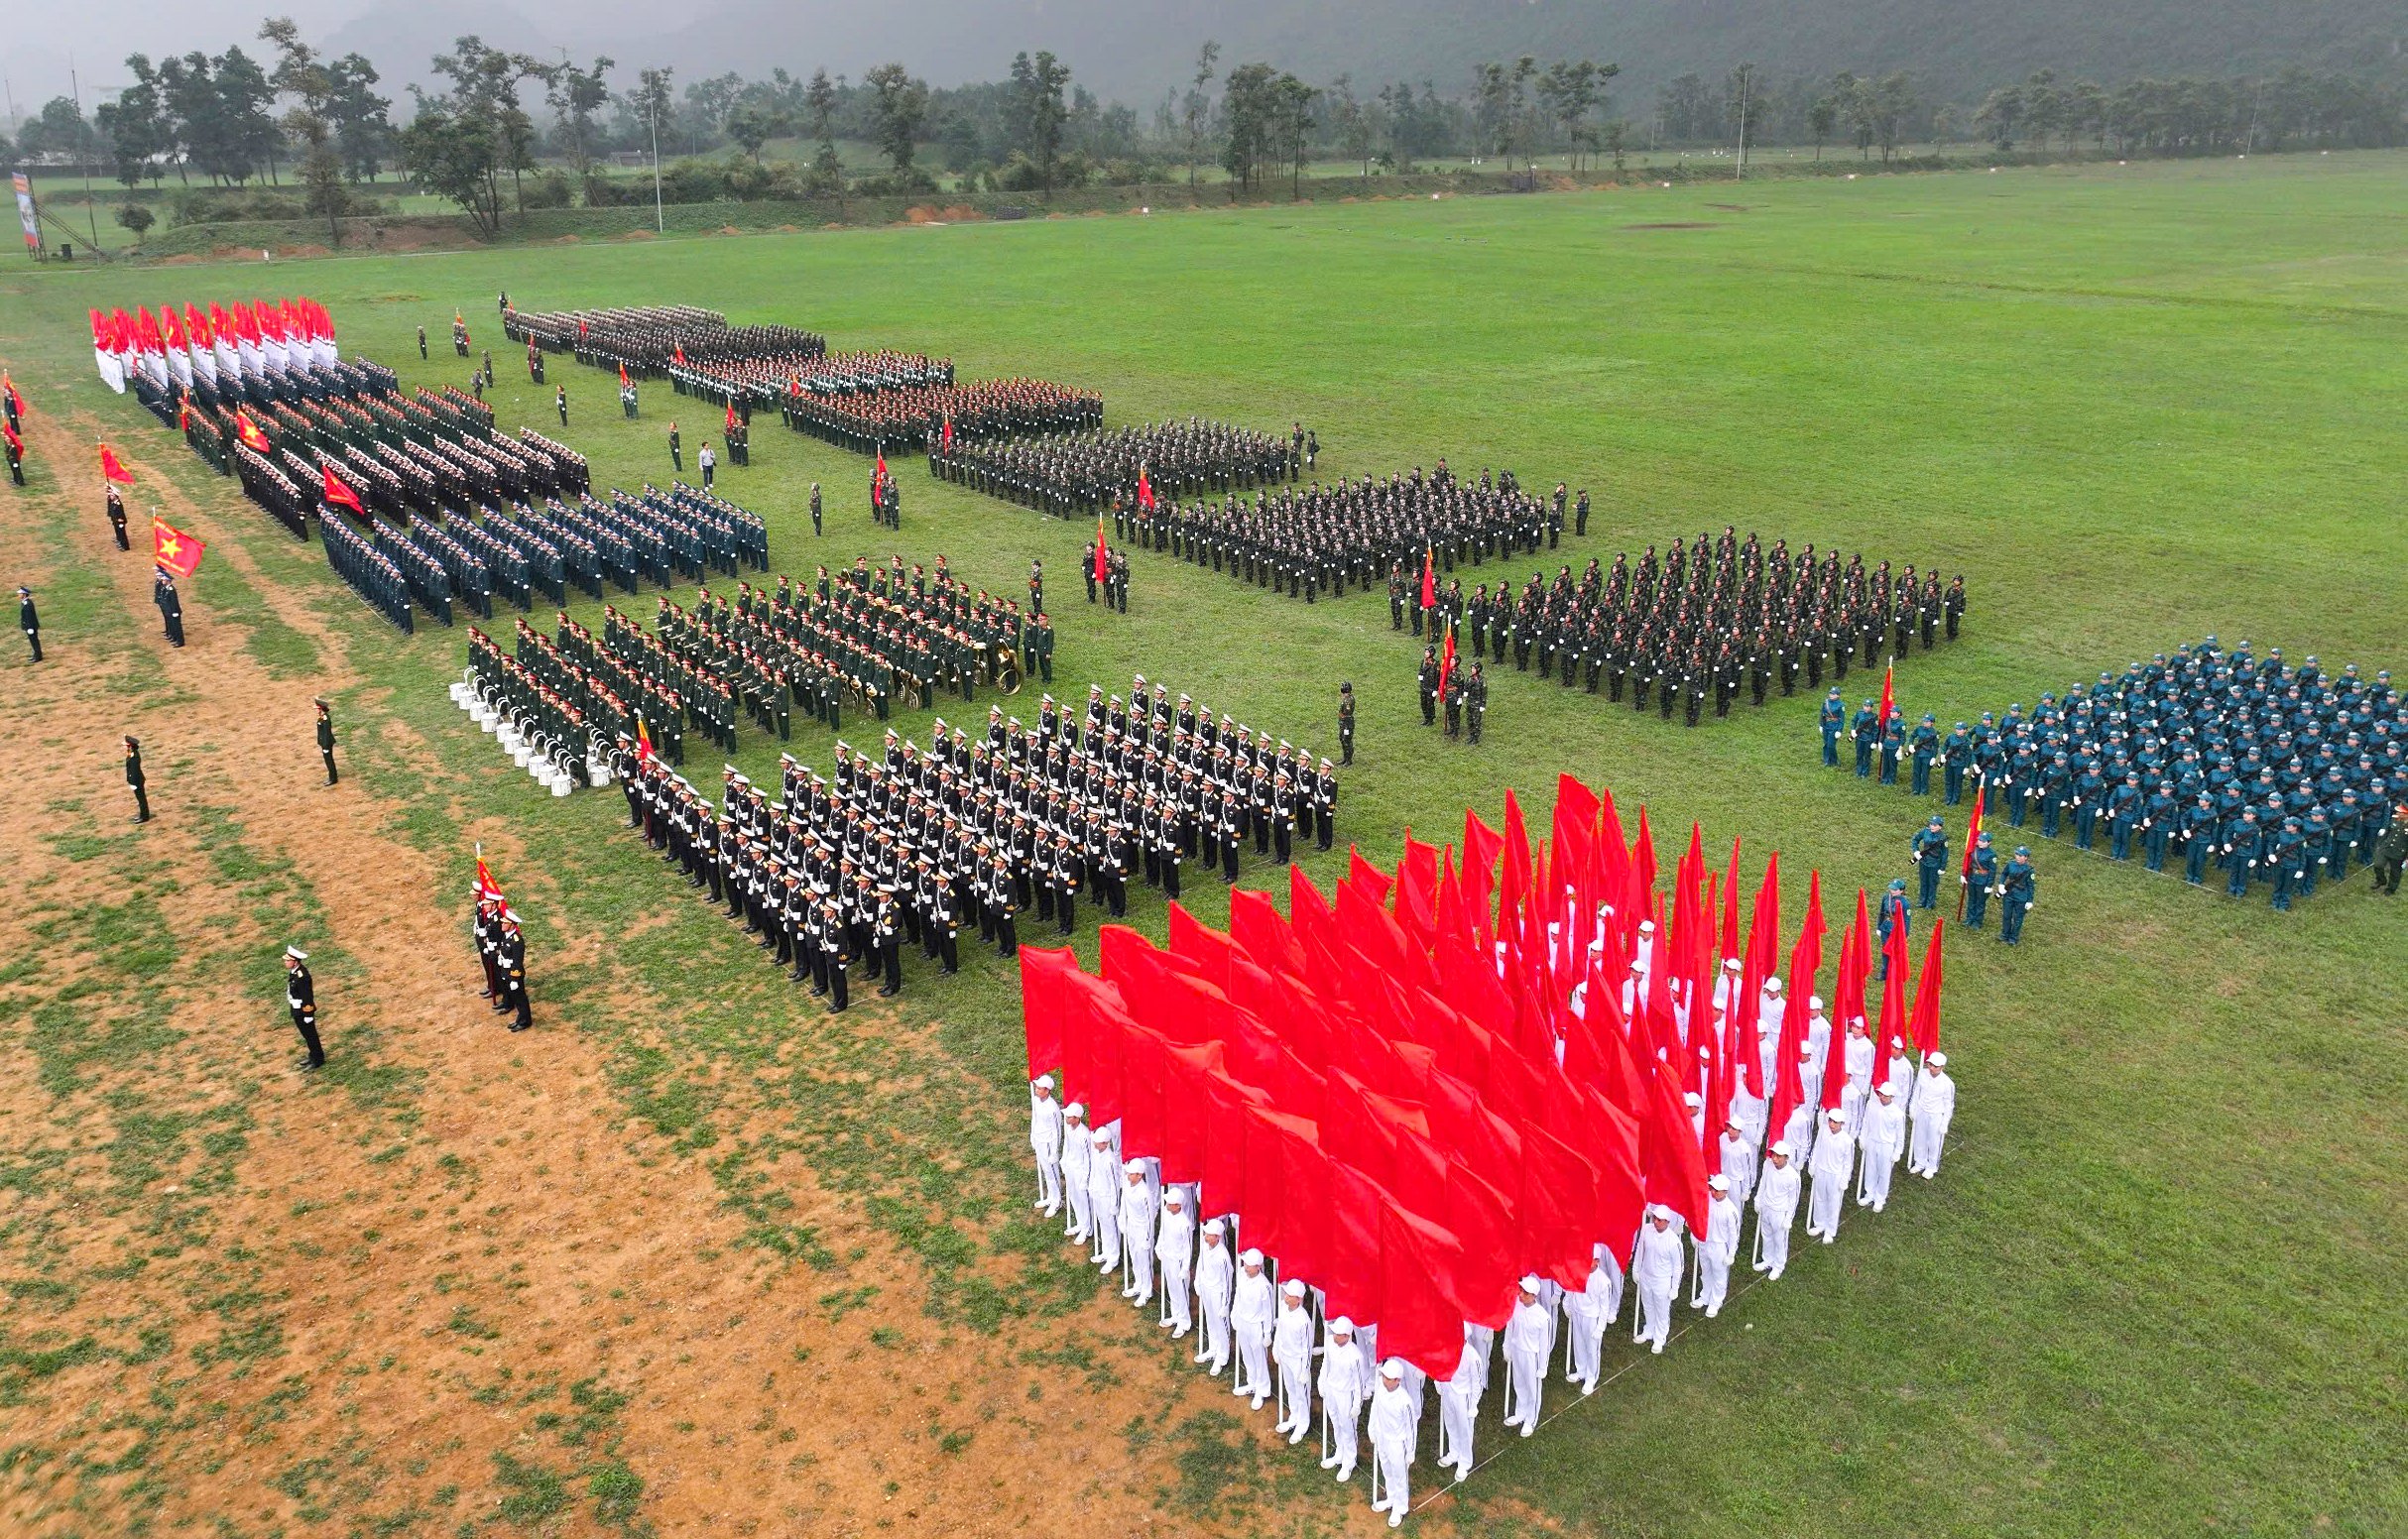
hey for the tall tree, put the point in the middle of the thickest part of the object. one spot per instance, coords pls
(821, 99)
(363, 127)
(898, 105)
(1038, 110)
(133, 123)
(301, 76)
(1353, 121)
(1196, 107)
(1501, 92)
(574, 95)
(248, 132)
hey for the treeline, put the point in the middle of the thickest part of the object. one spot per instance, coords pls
(505, 132)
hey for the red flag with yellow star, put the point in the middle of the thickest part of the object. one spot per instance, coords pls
(248, 431)
(112, 468)
(174, 549)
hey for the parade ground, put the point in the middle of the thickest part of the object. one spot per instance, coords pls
(693, 1256)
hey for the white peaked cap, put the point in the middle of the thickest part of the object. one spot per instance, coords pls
(1213, 1226)
(1103, 1139)
(1292, 1288)
(1042, 1082)
(1838, 1114)
(1394, 1367)
(1136, 1167)
(1888, 1087)
(1075, 1109)
(297, 954)
(1250, 1258)
(1530, 1282)
(1172, 1196)
(1938, 1060)
(1718, 1182)
(1772, 985)
(1341, 1326)
(1814, 1003)
(1781, 1148)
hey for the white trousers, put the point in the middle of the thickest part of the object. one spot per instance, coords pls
(1872, 1184)
(1396, 1463)
(1822, 1205)
(1588, 1343)
(1107, 1229)
(1050, 1183)
(1138, 1252)
(1457, 1413)
(1175, 1294)
(1771, 1246)
(1254, 1360)
(1713, 1279)
(1345, 1431)
(1295, 1392)
(1082, 1221)
(1923, 1154)
(1216, 1336)
(1521, 1389)
(1655, 1315)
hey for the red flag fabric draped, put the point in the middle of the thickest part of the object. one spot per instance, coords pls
(1100, 550)
(1042, 989)
(112, 468)
(1924, 1027)
(174, 549)
(1889, 694)
(340, 495)
(1973, 834)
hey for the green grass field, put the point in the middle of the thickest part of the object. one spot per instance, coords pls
(2131, 404)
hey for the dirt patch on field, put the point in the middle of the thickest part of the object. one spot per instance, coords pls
(637, 234)
(1674, 224)
(446, 1279)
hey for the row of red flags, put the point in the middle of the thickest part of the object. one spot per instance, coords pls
(262, 321)
(1392, 1087)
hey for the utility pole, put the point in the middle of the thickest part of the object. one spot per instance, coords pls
(1746, 74)
(91, 211)
(653, 102)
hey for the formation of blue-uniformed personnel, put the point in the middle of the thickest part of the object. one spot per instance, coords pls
(1704, 625)
(1080, 475)
(916, 845)
(2214, 761)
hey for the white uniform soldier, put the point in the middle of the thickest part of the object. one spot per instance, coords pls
(1739, 1152)
(1858, 1051)
(1174, 1249)
(1344, 1383)
(1748, 1110)
(1045, 1141)
(1832, 1168)
(1078, 1152)
(1459, 1407)
(1800, 1129)
(1776, 1209)
(1292, 1348)
(1717, 1248)
(1586, 1316)
(1818, 1026)
(1883, 1137)
(1901, 1070)
(1656, 1268)
(1103, 1183)
(1934, 1103)
(1528, 1340)
(1214, 1274)
(1392, 1441)
(1250, 1321)
(1136, 1235)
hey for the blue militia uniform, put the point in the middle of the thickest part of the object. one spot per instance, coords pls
(1930, 848)
(2123, 817)
(1954, 755)
(1925, 747)
(2200, 827)
(2157, 816)
(1835, 721)
(1867, 730)
(1894, 917)
(2015, 899)
(1984, 878)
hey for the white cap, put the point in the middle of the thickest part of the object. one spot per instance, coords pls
(1886, 1088)
(1341, 1326)
(1528, 1283)
(1250, 1258)
(1292, 1289)
(1172, 1196)
(1838, 1114)
(1772, 985)
(1136, 1167)
(1042, 1082)
(1938, 1060)
(1394, 1367)
(1718, 1182)
(1814, 1003)
(297, 954)
(511, 915)
(1646, 926)
(1731, 964)
(1781, 1148)
(1103, 1139)
(1214, 1228)
(1075, 1109)
(1693, 1098)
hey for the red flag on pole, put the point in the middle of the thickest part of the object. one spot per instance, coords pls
(679, 353)
(1101, 551)
(730, 416)
(1446, 656)
(340, 495)
(622, 369)
(112, 468)
(946, 439)
(1973, 833)
(1429, 579)
(1889, 694)
(174, 549)
(1924, 1025)
(1145, 489)
(248, 431)
(487, 891)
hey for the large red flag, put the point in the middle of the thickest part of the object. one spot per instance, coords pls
(1102, 552)
(112, 468)
(1671, 1160)
(1925, 1026)
(1893, 997)
(339, 494)
(1557, 1209)
(1041, 1002)
(174, 549)
(1889, 693)
(1429, 580)
(1416, 1301)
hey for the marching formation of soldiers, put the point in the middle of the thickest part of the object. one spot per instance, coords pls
(917, 845)
(649, 340)
(2221, 761)
(867, 421)
(769, 380)
(1305, 541)
(1084, 474)
(1705, 624)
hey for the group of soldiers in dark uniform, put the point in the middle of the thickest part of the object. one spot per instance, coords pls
(916, 845)
(563, 713)
(1305, 541)
(651, 340)
(1463, 692)
(772, 379)
(1707, 622)
(865, 422)
(1084, 474)
(2263, 770)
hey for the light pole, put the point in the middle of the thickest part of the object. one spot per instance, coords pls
(652, 106)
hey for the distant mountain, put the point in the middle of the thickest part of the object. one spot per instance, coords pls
(1135, 50)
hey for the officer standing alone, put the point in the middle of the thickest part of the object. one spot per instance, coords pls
(1345, 723)
(301, 997)
(325, 736)
(134, 778)
(29, 621)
